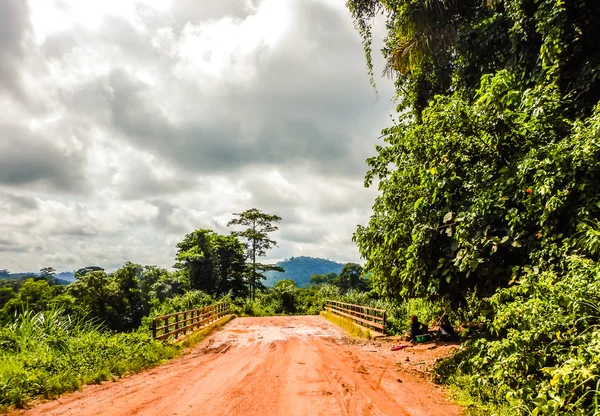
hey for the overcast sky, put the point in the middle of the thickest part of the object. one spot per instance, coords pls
(126, 124)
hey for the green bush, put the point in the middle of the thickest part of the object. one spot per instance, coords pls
(47, 353)
(541, 353)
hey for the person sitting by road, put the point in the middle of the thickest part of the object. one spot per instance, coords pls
(446, 331)
(417, 328)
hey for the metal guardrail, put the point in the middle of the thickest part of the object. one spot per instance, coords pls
(188, 321)
(371, 318)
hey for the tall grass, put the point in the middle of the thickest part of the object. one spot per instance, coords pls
(47, 353)
(349, 326)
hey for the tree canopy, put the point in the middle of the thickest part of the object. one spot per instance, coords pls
(215, 263)
(258, 241)
(492, 163)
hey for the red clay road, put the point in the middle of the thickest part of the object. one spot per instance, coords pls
(301, 365)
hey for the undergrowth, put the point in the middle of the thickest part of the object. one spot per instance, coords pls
(540, 352)
(48, 353)
(347, 325)
(473, 406)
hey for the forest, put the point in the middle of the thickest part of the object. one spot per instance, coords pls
(489, 191)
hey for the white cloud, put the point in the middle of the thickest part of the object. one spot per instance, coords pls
(128, 123)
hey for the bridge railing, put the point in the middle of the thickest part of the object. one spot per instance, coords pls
(178, 323)
(371, 318)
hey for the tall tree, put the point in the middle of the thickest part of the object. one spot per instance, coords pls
(351, 277)
(215, 263)
(258, 226)
(493, 161)
(47, 273)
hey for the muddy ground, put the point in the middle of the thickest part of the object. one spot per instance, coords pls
(297, 365)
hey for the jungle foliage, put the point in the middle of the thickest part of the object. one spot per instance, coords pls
(489, 187)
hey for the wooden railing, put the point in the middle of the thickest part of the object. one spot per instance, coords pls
(183, 322)
(364, 316)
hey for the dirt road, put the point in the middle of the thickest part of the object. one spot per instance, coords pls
(264, 366)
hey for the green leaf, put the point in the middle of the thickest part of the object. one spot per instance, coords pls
(419, 203)
(448, 217)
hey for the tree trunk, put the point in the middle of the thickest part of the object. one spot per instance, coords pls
(253, 285)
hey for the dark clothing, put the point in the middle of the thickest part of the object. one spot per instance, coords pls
(446, 331)
(447, 328)
(417, 328)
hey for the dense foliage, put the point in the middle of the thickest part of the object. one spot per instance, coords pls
(489, 187)
(215, 263)
(493, 156)
(47, 353)
(544, 348)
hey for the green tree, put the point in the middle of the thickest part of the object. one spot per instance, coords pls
(215, 263)
(230, 265)
(34, 295)
(490, 166)
(96, 295)
(6, 294)
(351, 277)
(149, 276)
(128, 302)
(321, 279)
(258, 242)
(169, 285)
(85, 270)
(47, 273)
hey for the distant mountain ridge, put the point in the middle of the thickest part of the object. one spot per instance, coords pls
(300, 269)
(63, 278)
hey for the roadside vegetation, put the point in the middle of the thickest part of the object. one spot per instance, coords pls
(489, 199)
(43, 354)
(348, 325)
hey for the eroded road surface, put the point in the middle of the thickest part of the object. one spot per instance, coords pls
(301, 365)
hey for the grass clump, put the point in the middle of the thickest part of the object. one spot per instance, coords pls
(346, 324)
(48, 353)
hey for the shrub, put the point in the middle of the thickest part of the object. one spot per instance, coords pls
(541, 352)
(47, 353)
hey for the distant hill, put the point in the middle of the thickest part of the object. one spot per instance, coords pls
(27, 275)
(300, 269)
(68, 276)
(63, 278)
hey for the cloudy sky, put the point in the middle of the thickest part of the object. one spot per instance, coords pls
(126, 124)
